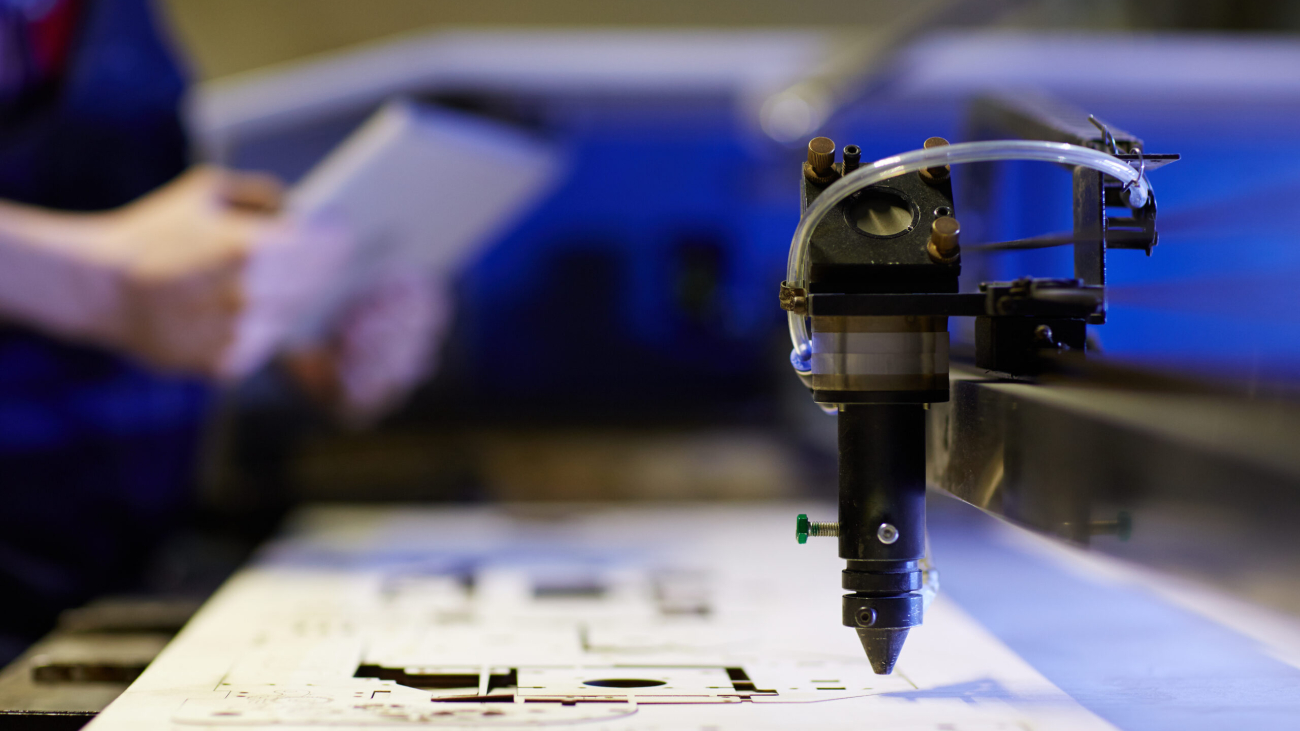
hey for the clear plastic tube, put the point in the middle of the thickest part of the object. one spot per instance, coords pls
(1136, 186)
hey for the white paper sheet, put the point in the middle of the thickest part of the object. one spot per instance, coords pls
(554, 605)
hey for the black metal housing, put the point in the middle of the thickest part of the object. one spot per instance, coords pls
(844, 258)
(1016, 344)
(882, 482)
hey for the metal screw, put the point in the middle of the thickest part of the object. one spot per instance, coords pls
(887, 533)
(804, 528)
(824, 530)
(866, 617)
(852, 158)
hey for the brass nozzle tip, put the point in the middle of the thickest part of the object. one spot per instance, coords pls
(934, 142)
(945, 234)
(821, 154)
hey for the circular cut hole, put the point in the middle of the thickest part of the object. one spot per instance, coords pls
(881, 213)
(624, 683)
(942, 211)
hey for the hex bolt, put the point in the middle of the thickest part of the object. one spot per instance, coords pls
(803, 528)
(887, 533)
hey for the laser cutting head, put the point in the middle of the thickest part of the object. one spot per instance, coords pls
(878, 370)
(873, 276)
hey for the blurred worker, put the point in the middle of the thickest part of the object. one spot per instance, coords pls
(124, 294)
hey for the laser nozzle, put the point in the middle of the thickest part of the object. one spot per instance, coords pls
(883, 647)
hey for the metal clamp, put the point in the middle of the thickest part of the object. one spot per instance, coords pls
(1127, 190)
(793, 299)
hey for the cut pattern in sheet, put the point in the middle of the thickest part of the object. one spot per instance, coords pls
(618, 620)
(578, 644)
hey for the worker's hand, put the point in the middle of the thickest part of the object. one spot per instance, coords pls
(201, 276)
(380, 348)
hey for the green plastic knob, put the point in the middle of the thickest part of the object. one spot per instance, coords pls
(801, 528)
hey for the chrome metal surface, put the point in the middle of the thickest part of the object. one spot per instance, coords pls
(1206, 482)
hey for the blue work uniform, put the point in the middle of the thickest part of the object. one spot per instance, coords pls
(96, 453)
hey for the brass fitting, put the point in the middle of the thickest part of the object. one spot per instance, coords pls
(820, 167)
(794, 299)
(944, 246)
(935, 174)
